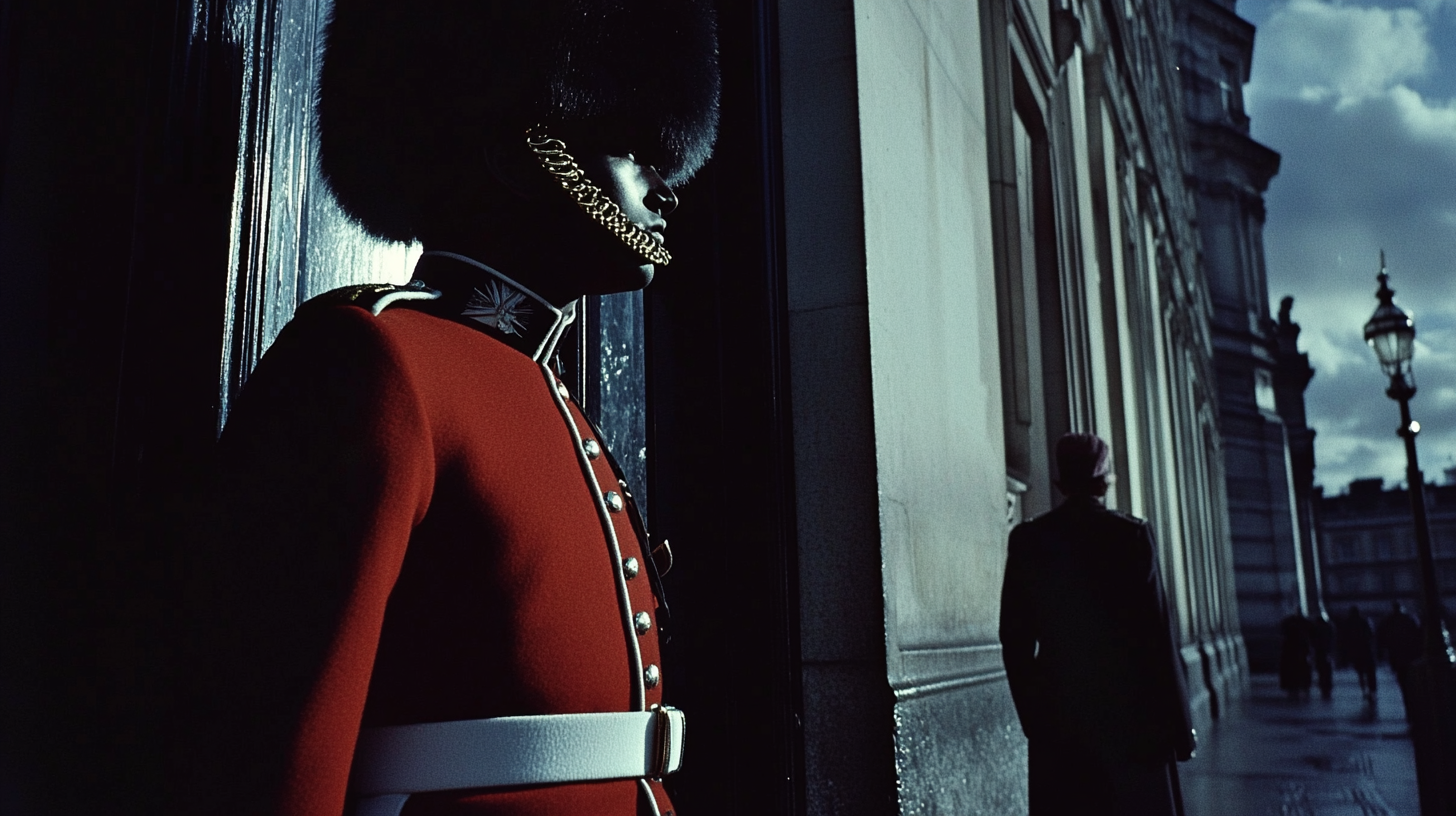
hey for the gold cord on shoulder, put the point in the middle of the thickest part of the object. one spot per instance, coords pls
(552, 155)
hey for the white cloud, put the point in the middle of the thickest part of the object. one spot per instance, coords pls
(1341, 80)
(1342, 459)
(1368, 164)
(1331, 332)
(1445, 397)
(1434, 367)
(1329, 354)
(1346, 402)
(1316, 51)
(1355, 422)
(1430, 122)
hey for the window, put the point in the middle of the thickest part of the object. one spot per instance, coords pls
(1405, 544)
(1033, 364)
(1443, 541)
(1231, 90)
(1359, 548)
(1264, 390)
(1383, 545)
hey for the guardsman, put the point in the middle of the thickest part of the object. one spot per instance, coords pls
(426, 589)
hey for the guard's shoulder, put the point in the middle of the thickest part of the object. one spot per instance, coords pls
(371, 297)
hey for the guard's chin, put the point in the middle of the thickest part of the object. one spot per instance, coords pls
(631, 275)
(615, 278)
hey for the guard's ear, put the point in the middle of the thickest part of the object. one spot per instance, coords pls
(518, 171)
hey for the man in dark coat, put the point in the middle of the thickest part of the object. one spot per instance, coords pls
(1297, 637)
(1357, 644)
(1324, 646)
(1091, 659)
(1399, 637)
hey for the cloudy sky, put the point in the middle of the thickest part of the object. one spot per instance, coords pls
(1360, 98)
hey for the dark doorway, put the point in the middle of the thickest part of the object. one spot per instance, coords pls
(721, 456)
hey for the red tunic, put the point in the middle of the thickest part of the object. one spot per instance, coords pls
(418, 535)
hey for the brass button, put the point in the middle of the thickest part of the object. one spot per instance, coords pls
(630, 567)
(642, 621)
(614, 501)
(593, 450)
(652, 676)
(561, 389)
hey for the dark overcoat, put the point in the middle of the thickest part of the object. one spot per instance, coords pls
(1094, 672)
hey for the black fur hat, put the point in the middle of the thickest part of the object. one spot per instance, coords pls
(410, 92)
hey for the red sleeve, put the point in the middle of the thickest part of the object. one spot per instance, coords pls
(325, 467)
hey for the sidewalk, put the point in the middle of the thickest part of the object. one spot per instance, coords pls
(1271, 755)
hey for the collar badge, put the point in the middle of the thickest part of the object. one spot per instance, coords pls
(499, 307)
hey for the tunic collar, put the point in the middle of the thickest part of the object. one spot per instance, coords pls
(485, 299)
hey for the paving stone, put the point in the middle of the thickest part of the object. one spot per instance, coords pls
(1273, 756)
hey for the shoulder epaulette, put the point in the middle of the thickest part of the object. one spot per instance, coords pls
(373, 297)
(1128, 517)
(1038, 517)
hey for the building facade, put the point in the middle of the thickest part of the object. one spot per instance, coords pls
(1368, 550)
(990, 242)
(1268, 457)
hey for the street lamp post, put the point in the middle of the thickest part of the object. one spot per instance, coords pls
(1430, 688)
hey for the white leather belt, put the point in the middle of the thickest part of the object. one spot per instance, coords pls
(394, 761)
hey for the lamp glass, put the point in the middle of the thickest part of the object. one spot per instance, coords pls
(1391, 332)
(1394, 348)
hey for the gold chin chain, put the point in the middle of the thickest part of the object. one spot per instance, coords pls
(552, 155)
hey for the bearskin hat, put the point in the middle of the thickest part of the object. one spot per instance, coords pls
(410, 92)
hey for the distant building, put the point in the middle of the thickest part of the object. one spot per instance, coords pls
(1367, 541)
(1268, 452)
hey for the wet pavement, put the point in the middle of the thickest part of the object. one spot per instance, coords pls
(1337, 757)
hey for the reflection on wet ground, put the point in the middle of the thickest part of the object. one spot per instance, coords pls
(1273, 755)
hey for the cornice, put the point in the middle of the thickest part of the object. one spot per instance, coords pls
(1226, 144)
(1223, 21)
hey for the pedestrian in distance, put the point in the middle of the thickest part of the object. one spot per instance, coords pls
(1399, 637)
(1296, 641)
(1357, 645)
(1090, 655)
(1324, 647)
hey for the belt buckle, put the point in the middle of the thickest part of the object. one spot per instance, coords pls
(662, 740)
